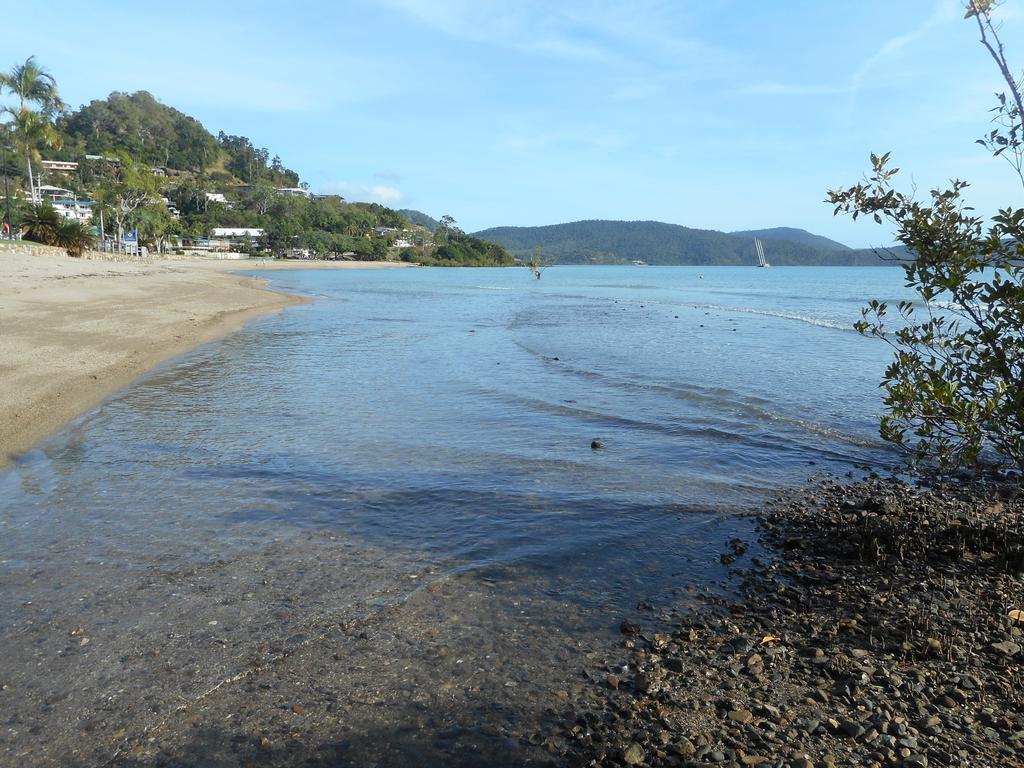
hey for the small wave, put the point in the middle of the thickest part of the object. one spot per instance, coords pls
(492, 287)
(725, 405)
(820, 322)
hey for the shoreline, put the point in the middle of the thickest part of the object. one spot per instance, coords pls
(75, 331)
(857, 640)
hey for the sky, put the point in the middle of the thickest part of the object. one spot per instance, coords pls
(734, 114)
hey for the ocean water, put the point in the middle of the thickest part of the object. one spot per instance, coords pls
(449, 414)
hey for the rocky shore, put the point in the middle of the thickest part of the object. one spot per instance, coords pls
(878, 624)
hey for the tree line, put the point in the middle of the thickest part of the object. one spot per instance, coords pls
(152, 169)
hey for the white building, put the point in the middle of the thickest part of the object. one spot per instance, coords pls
(51, 193)
(216, 197)
(73, 208)
(66, 203)
(237, 232)
(293, 191)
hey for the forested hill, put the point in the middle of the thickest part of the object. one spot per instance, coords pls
(140, 127)
(418, 217)
(654, 242)
(795, 236)
(148, 167)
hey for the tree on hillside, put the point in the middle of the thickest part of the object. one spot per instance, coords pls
(446, 227)
(32, 86)
(954, 393)
(32, 130)
(261, 197)
(126, 189)
(139, 125)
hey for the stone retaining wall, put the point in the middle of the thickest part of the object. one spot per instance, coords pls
(25, 248)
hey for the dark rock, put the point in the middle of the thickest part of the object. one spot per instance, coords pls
(1006, 648)
(629, 628)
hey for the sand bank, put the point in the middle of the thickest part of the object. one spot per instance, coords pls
(73, 331)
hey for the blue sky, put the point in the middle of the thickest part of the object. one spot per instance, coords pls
(726, 115)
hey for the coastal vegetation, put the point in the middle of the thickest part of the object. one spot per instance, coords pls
(451, 247)
(30, 129)
(953, 390)
(658, 243)
(130, 165)
(44, 225)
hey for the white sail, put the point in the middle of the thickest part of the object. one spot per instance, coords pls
(761, 260)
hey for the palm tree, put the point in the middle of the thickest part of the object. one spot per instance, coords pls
(44, 225)
(74, 237)
(32, 130)
(32, 84)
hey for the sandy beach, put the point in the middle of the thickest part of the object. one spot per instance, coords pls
(73, 331)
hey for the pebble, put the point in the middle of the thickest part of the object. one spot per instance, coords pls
(634, 754)
(855, 644)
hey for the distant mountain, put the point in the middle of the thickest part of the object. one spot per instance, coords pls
(654, 242)
(418, 217)
(794, 236)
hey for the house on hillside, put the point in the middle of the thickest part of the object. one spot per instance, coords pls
(50, 193)
(59, 166)
(171, 208)
(76, 209)
(99, 158)
(66, 203)
(216, 197)
(293, 192)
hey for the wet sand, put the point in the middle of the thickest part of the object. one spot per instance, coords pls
(312, 650)
(308, 648)
(73, 331)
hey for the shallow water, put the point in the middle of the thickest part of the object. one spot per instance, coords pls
(451, 412)
(408, 459)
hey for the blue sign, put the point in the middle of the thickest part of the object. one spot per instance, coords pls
(131, 236)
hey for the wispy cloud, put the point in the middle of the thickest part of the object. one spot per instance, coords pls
(944, 11)
(364, 193)
(526, 26)
(596, 30)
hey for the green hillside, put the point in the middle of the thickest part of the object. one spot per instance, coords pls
(793, 235)
(654, 242)
(151, 133)
(418, 217)
(150, 168)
